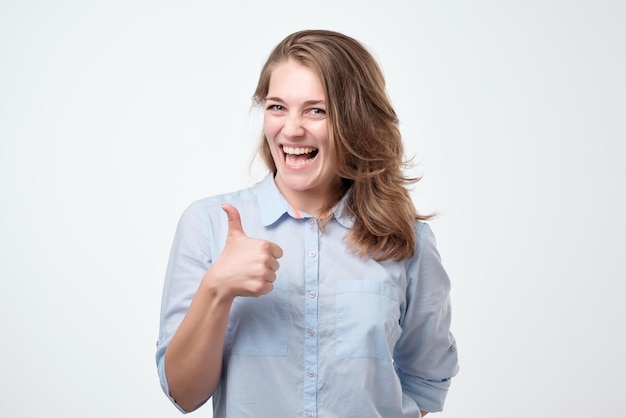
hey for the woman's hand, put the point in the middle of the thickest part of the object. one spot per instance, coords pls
(247, 266)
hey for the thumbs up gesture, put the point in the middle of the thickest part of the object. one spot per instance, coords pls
(247, 266)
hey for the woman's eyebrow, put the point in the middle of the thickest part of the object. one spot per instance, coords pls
(306, 103)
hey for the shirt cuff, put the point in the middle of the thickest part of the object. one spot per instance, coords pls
(429, 395)
(164, 385)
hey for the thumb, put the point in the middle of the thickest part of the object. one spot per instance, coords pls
(234, 221)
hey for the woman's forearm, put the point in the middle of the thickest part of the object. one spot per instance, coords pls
(193, 358)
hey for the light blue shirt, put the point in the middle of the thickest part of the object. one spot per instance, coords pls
(339, 336)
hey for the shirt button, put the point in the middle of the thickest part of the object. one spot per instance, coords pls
(312, 254)
(309, 415)
(310, 373)
(311, 221)
(312, 294)
(311, 332)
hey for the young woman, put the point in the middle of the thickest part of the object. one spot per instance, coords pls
(319, 292)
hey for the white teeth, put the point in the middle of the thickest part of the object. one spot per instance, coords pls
(296, 163)
(297, 151)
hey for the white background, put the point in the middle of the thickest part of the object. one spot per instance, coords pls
(115, 115)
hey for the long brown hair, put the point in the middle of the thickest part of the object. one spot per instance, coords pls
(364, 138)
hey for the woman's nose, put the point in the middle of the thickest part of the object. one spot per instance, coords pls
(293, 126)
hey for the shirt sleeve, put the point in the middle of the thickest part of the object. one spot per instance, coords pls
(425, 356)
(189, 259)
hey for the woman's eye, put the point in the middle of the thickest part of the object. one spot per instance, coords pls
(318, 112)
(276, 107)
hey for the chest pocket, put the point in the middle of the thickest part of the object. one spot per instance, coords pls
(367, 316)
(258, 326)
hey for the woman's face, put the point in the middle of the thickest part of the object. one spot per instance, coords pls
(296, 129)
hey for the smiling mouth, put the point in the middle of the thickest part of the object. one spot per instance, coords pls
(297, 157)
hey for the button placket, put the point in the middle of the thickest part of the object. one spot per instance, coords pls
(311, 278)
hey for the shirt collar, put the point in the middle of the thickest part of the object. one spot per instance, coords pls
(274, 205)
(341, 213)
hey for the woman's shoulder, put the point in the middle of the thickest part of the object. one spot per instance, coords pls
(425, 237)
(422, 228)
(259, 193)
(234, 197)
